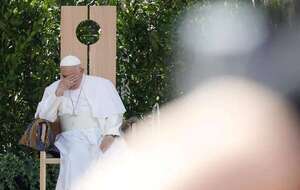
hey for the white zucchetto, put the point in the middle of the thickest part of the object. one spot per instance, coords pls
(70, 60)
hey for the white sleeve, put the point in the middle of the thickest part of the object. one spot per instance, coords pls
(48, 106)
(113, 124)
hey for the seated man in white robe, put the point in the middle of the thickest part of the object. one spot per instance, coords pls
(90, 113)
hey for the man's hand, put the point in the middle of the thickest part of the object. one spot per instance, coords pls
(106, 143)
(66, 83)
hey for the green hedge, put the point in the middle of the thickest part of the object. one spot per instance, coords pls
(22, 173)
(28, 53)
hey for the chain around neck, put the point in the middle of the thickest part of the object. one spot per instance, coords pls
(77, 101)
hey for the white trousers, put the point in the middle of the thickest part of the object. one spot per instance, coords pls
(79, 150)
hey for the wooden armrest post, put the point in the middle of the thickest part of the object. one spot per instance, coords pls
(42, 170)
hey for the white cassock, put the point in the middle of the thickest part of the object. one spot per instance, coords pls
(98, 112)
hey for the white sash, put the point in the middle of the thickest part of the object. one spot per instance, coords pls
(81, 121)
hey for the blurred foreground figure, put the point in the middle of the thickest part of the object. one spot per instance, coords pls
(230, 134)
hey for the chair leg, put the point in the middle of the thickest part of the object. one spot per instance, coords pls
(42, 170)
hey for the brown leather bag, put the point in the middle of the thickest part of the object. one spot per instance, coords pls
(40, 134)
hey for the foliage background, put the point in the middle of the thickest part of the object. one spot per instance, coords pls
(29, 57)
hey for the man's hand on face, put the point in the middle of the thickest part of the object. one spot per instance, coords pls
(67, 83)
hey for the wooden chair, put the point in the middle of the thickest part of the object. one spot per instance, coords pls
(97, 59)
